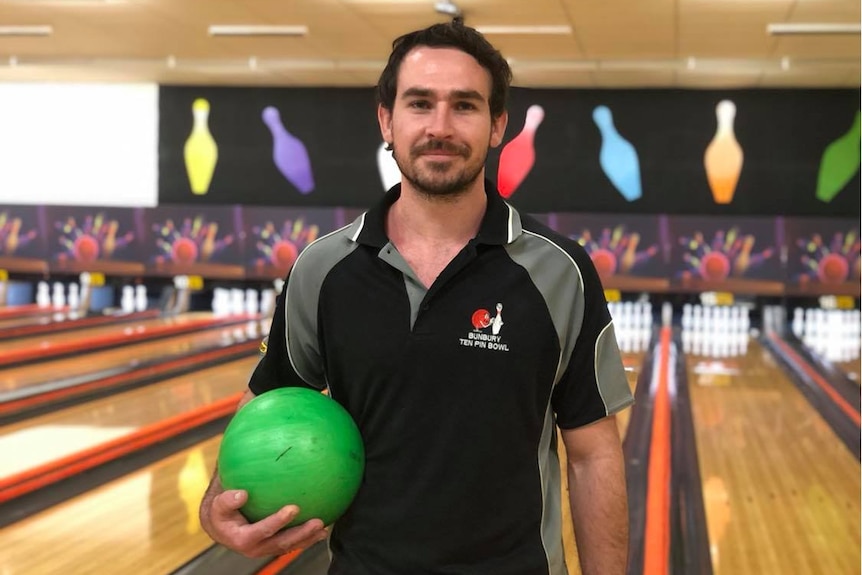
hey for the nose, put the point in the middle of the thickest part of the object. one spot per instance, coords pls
(440, 124)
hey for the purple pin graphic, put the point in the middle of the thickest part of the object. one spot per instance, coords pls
(289, 153)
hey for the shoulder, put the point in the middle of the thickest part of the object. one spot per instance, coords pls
(316, 261)
(551, 245)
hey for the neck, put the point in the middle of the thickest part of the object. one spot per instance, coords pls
(417, 216)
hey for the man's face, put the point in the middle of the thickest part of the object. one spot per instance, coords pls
(440, 124)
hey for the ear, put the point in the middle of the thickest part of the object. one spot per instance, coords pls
(384, 118)
(498, 129)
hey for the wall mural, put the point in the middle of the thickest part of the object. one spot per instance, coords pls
(722, 152)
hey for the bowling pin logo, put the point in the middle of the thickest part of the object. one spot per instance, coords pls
(201, 151)
(288, 153)
(618, 157)
(519, 155)
(839, 163)
(390, 174)
(497, 322)
(723, 157)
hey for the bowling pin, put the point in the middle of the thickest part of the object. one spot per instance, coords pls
(839, 163)
(618, 157)
(58, 296)
(390, 174)
(201, 151)
(252, 301)
(127, 299)
(237, 301)
(723, 157)
(289, 153)
(519, 155)
(74, 297)
(43, 294)
(141, 302)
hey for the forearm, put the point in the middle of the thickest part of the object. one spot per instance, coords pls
(597, 495)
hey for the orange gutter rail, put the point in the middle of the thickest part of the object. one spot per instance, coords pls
(65, 467)
(827, 388)
(657, 528)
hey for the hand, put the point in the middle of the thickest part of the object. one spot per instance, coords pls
(264, 538)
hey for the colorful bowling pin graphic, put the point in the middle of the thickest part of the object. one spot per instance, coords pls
(618, 158)
(839, 163)
(519, 155)
(289, 153)
(201, 151)
(723, 157)
(390, 174)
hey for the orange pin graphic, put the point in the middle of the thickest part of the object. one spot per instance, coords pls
(723, 157)
(201, 151)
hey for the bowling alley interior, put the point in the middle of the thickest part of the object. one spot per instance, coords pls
(163, 164)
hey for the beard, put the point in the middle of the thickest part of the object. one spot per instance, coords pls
(439, 179)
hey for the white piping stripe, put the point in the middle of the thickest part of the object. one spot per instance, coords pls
(355, 236)
(596, 363)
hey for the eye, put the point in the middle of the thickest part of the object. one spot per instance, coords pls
(419, 104)
(465, 106)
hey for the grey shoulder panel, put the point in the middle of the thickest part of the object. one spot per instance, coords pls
(558, 278)
(302, 298)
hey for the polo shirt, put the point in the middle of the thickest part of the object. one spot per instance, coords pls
(456, 389)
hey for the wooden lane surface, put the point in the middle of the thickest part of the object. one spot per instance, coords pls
(42, 319)
(46, 341)
(145, 523)
(633, 363)
(850, 368)
(781, 491)
(42, 439)
(78, 365)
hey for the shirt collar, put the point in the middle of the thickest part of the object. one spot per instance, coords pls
(500, 225)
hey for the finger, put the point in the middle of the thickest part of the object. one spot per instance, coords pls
(301, 536)
(227, 504)
(269, 526)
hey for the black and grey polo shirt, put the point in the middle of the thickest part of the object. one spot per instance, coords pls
(456, 388)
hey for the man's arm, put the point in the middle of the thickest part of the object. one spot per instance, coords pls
(597, 495)
(221, 519)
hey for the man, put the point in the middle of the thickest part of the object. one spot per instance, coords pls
(457, 332)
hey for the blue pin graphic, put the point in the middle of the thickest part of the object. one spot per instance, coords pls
(618, 158)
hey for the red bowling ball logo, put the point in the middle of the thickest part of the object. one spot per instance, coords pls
(481, 319)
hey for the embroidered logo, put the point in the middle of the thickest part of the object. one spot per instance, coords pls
(479, 338)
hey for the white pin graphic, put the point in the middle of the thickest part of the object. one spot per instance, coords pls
(498, 320)
(389, 172)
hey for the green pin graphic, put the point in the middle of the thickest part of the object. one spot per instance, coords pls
(839, 163)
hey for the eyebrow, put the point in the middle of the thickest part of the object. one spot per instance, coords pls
(453, 95)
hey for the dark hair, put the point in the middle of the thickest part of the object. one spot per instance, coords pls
(456, 35)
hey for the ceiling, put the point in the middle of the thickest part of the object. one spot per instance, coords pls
(612, 43)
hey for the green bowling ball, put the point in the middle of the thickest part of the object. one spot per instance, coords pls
(293, 446)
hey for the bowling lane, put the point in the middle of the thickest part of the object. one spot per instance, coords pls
(781, 491)
(48, 341)
(144, 523)
(41, 319)
(111, 360)
(39, 440)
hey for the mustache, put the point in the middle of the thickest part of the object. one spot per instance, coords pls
(440, 146)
